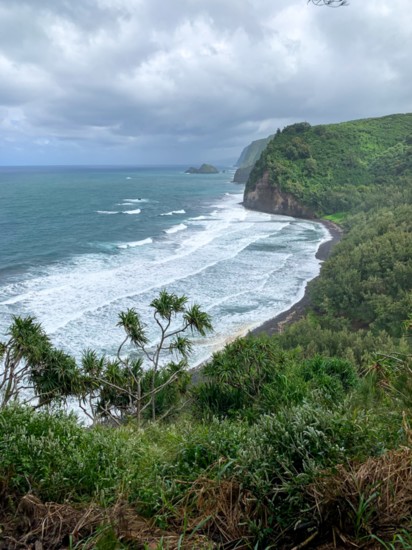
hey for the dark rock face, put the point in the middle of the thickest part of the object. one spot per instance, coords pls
(204, 169)
(269, 198)
(242, 174)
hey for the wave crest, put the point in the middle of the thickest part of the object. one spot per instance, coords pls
(176, 228)
(174, 212)
(133, 244)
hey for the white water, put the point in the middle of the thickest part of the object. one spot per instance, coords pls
(242, 267)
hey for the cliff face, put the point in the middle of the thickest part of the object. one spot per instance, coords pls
(242, 174)
(313, 171)
(266, 197)
(252, 152)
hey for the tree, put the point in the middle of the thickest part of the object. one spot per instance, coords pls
(153, 375)
(31, 368)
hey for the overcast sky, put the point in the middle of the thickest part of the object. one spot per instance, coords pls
(185, 81)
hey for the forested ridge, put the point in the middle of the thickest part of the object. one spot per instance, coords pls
(299, 440)
(340, 167)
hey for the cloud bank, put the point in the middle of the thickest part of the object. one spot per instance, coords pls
(149, 81)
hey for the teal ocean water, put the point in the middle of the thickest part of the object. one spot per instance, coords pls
(78, 245)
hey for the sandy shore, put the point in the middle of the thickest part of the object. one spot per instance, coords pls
(297, 311)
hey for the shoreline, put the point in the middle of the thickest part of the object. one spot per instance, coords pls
(277, 324)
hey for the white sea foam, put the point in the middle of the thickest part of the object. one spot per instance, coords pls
(107, 212)
(136, 211)
(242, 266)
(176, 228)
(136, 200)
(132, 244)
(174, 212)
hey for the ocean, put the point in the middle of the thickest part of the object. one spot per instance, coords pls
(80, 244)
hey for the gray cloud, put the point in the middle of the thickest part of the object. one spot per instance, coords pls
(153, 81)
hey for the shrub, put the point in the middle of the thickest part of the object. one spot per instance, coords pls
(251, 375)
(331, 376)
(53, 456)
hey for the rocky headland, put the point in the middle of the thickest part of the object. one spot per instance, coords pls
(242, 174)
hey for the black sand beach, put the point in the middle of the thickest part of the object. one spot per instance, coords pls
(297, 311)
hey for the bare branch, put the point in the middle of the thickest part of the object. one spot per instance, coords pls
(114, 386)
(329, 3)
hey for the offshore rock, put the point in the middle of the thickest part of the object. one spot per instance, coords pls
(204, 169)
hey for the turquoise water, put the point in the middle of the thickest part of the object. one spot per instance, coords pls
(78, 245)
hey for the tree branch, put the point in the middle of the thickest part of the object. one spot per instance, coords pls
(329, 3)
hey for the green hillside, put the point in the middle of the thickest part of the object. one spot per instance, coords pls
(252, 152)
(337, 167)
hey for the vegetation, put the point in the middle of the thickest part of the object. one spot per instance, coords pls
(299, 440)
(156, 377)
(30, 362)
(248, 158)
(341, 167)
(368, 279)
(116, 389)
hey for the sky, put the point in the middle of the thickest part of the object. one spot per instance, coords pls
(147, 82)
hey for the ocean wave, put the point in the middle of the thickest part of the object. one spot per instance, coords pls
(136, 211)
(176, 228)
(78, 299)
(149, 240)
(199, 218)
(139, 199)
(174, 212)
(106, 212)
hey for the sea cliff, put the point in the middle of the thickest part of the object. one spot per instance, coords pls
(312, 171)
(266, 197)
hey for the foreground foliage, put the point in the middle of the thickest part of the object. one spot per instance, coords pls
(227, 480)
(153, 375)
(30, 361)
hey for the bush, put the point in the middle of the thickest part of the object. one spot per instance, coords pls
(289, 450)
(55, 458)
(331, 376)
(250, 376)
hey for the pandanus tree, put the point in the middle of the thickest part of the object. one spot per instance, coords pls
(32, 370)
(149, 376)
(145, 376)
